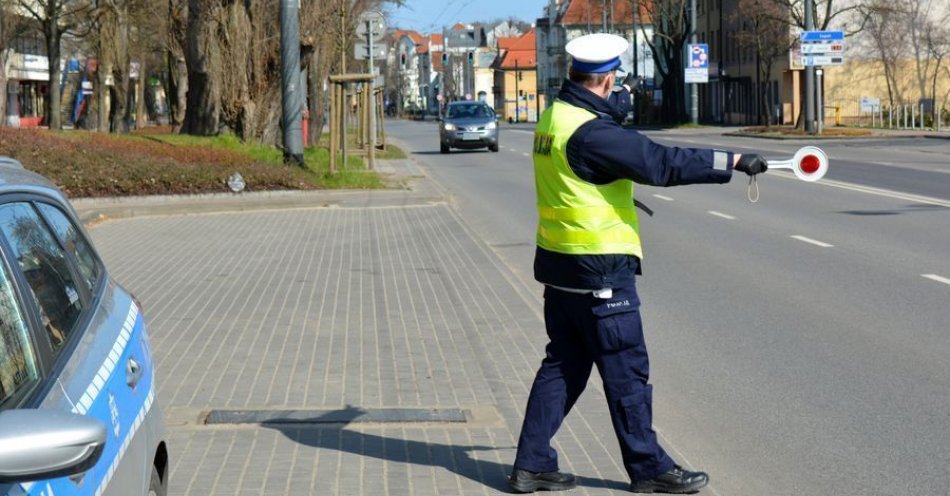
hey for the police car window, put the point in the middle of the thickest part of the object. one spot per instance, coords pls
(75, 243)
(17, 358)
(44, 264)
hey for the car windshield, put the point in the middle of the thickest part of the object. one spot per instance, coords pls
(469, 111)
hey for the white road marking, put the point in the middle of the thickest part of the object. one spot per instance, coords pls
(868, 189)
(720, 214)
(812, 241)
(935, 277)
(667, 198)
(525, 154)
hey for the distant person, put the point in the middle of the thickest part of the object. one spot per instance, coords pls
(588, 255)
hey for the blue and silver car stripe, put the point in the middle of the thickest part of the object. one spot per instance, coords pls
(112, 409)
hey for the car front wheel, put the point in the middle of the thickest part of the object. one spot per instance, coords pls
(494, 147)
(443, 148)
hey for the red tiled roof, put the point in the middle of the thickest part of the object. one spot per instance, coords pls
(505, 42)
(583, 12)
(435, 38)
(458, 27)
(413, 35)
(520, 51)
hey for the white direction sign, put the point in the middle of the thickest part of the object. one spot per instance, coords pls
(836, 47)
(361, 51)
(808, 60)
(371, 23)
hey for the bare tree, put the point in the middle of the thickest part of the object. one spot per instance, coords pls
(936, 38)
(10, 26)
(176, 80)
(885, 32)
(765, 30)
(330, 26)
(58, 18)
(848, 15)
(670, 30)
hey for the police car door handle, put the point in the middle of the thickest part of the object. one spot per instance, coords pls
(133, 372)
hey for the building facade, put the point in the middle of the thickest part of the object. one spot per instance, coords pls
(565, 20)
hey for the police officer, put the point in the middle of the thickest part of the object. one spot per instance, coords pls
(588, 253)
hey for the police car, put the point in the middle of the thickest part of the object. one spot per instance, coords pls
(78, 414)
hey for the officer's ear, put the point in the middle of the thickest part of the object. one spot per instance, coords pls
(609, 82)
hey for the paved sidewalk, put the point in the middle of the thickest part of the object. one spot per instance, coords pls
(377, 300)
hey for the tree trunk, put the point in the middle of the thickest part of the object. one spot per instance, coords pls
(317, 96)
(177, 90)
(121, 114)
(3, 84)
(141, 117)
(53, 111)
(203, 110)
(176, 84)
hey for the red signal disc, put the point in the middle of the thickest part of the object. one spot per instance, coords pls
(810, 164)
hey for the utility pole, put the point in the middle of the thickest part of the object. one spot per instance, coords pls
(636, 39)
(370, 34)
(603, 10)
(517, 93)
(809, 76)
(291, 93)
(693, 87)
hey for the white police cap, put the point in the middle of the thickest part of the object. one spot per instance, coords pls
(596, 53)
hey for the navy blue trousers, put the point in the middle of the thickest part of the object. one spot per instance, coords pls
(585, 331)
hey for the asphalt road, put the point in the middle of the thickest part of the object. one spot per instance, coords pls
(800, 344)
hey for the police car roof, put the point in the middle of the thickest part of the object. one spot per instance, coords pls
(13, 177)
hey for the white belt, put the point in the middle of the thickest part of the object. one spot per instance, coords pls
(603, 294)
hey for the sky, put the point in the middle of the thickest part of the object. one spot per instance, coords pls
(427, 16)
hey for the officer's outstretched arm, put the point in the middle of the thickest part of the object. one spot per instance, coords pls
(613, 152)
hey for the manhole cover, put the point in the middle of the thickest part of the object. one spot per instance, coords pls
(346, 416)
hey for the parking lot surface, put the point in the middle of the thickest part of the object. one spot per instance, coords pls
(356, 317)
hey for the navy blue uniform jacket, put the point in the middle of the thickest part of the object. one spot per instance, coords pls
(600, 152)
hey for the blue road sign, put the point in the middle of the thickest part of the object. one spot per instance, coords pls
(699, 56)
(822, 36)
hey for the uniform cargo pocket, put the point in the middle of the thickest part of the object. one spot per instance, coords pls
(637, 412)
(618, 323)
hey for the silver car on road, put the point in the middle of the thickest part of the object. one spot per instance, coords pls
(468, 125)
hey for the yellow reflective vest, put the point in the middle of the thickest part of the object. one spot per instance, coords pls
(575, 216)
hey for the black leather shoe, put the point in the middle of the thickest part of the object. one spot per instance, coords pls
(522, 481)
(676, 481)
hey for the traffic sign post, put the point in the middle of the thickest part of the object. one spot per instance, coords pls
(698, 69)
(372, 26)
(362, 51)
(820, 48)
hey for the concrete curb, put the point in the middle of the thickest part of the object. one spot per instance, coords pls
(419, 191)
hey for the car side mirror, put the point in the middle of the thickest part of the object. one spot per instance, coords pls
(46, 444)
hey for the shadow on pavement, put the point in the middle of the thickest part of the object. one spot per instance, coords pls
(333, 435)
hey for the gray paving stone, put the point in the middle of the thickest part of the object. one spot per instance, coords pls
(368, 306)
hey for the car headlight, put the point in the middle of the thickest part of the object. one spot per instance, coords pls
(491, 125)
(448, 126)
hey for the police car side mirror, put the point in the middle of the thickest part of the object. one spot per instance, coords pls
(46, 444)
